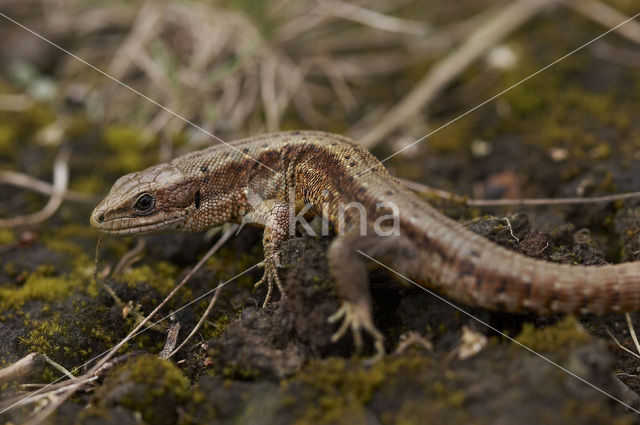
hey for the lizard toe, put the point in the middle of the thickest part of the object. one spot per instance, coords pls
(358, 319)
(270, 276)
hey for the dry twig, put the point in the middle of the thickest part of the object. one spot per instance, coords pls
(419, 187)
(172, 340)
(509, 18)
(606, 15)
(129, 258)
(622, 347)
(511, 229)
(15, 102)
(353, 12)
(60, 181)
(200, 322)
(27, 182)
(27, 365)
(617, 55)
(632, 331)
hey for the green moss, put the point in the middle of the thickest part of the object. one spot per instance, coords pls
(573, 120)
(244, 372)
(46, 283)
(38, 286)
(69, 335)
(7, 137)
(49, 337)
(37, 117)
(216, 329)
(339, 390)
(91, 184)
(453, 138)
(161, 276)
(7, 237)
(148, 385)
(451, 398)
(10, 269)
(228, 263)
(79, 126)
(564, 334)
(166, 376)
(127, 144)
(63, 240)
(78, 239)
(414, 413)
(594, 412)
(336, 390)
(119, 138)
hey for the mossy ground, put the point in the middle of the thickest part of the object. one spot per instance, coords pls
(278, 364)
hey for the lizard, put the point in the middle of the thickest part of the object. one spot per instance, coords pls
(268, 179)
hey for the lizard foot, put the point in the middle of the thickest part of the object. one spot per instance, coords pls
(358, 319)
(270, 266)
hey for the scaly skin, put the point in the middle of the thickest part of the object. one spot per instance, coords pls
(217, 185)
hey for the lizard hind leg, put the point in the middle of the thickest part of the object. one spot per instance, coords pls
(349, 269)
(352, 284)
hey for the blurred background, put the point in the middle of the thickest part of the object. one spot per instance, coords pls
(384, 72)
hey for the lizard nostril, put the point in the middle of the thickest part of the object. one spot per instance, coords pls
(101, 218)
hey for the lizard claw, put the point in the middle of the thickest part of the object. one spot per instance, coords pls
(270, 266)
(358, 319)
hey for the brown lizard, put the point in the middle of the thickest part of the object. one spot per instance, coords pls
(258, 178)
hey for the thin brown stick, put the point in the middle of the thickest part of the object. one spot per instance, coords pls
(338, 82)
(418, 187)
(172, 339)
(57, 400)
(268, 92)
(616, 55)
(15, 102)
(355, 13)
(27, 182)
(96, 258)
(511, 17)
(200, 322)
(549, 201)
(59, 367)
(607, 16)
(622, 347)
(632, 331)
(511, 229)
(427, 190)
(145, 27)
(24, 367)
(128, 258)
(60, 181)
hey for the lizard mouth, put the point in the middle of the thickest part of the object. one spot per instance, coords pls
(147, 228)
(133, 225)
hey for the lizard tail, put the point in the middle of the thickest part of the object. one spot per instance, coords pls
(476, 271)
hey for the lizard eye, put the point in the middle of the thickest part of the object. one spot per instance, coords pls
(145, 203)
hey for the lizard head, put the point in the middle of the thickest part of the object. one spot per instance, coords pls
(157, 199)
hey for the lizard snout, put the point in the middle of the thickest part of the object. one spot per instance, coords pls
(97, 218)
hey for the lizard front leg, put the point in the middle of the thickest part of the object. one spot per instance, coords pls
(275, 217)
